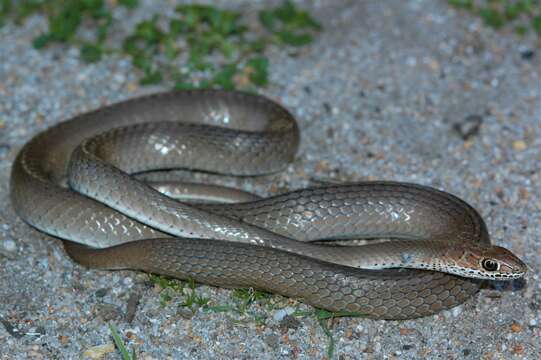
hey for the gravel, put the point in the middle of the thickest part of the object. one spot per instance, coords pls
(390, 90)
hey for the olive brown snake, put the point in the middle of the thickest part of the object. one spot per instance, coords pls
(435, 246)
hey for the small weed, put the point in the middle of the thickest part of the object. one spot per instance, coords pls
(174, 287)
(170, 287)
(260, 319)
(218, 308)
(120, 344)
(247, 297)
(192, 299)
(323, 317)
(524, 15)
(200, 46)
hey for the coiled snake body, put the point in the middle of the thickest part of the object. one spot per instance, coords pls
(109, 219)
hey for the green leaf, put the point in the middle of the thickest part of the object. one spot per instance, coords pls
(512, 11)
(94, 7)
(224, 78)
(294, 39)
(176, 27)
(63, 26)
(521, 30)
(304, 20)
(101, 32)
(170, 49)
(492, 17)
(536, 24)
(131, 4)
(141, 61)
(267, 19)
(328, 333)
(258, 45)
(119, 343)
(151, 77)
(227, 48)
(463, 4)
(91, 52)
(149, 31)
(286, 12)
(131, 45)
(42, 40)
(259, 74)
(184, 86)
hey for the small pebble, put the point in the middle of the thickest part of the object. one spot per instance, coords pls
(519, 145)
(99, 352)
(518, 349)
(516, 328)
(290, 322)
(185, 313)
(101, 292)
(280, 314)
(63, 339)
(527, 54)
(469, 127)
(4, 150)
(128, 281)
(9, 245)
(456, 311)
(108, 311)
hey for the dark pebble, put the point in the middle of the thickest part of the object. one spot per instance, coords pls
(185, 313)
(12, 330)
(527, 54)
(290, 322)
(4, 150)
(469, 127)
(131, 307)
(101, 292)
(327, 107)
(108, 311)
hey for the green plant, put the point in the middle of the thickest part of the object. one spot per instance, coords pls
(120, 344)
(247, 297)
(192, 299)
(522, 14)
(169, 287)
(200, 46)
(323, 317)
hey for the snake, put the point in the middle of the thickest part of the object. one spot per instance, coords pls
(382, 249)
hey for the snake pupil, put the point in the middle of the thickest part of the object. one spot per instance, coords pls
(490, 265)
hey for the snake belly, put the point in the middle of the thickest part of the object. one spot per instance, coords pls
(114, 221)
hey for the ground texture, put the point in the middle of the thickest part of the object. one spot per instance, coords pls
(403, 90)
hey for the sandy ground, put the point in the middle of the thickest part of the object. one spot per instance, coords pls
(379, 95)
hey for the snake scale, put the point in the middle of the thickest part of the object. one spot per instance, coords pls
(73, 181)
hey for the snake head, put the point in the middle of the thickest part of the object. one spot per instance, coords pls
(491, 262)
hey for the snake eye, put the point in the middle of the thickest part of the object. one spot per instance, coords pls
(490, 265)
